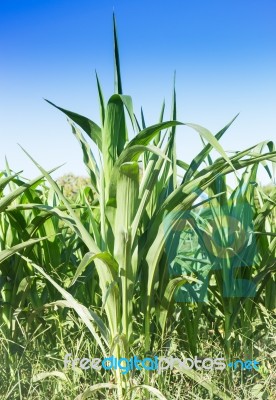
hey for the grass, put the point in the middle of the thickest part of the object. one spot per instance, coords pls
(33, 360)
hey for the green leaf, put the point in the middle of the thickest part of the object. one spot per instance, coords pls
(43, 375)
(146, 135)
(256, 391)
(80, 309)
(8, 199)
(197, 161)
(89, 127)
(7, 179)
(4, 254)
(157, 137)
(101, 100)
(88, 157)
(94, 317)
(211, 140)
(117, 72)
(151, 390)
(211, 387)
(99, 386)
(89, 257)
(168, 298)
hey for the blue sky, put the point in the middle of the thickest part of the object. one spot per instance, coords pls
(224, 54)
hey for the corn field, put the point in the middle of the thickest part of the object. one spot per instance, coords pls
(150, 256)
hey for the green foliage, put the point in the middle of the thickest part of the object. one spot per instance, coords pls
(145, 260)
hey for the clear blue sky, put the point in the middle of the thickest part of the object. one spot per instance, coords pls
(224, 54)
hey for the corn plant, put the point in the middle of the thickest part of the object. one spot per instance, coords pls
(235, 262)
(25, 220)
(132, 227)
(13, 238)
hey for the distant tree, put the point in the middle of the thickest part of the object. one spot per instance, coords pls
(72, 184)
